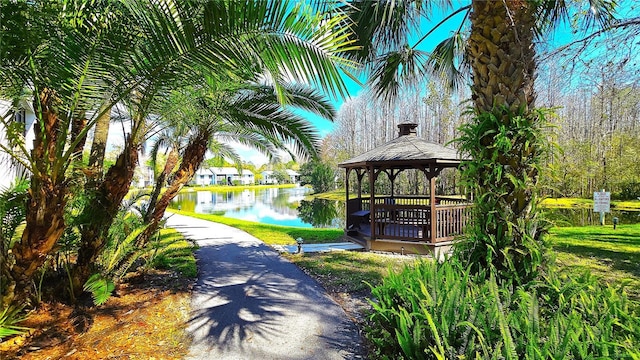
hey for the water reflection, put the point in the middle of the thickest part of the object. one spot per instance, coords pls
(585, 217)
(274, 206)
(322, 213)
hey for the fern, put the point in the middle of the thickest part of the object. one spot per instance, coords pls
(438, 311)
(8, 320)
(100, 288)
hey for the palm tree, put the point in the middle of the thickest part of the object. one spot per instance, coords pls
(506, 137)
(71, 54)
(248, 113)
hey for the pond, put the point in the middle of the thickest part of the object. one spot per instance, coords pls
(586, 216)
(285, 206)
(275, 206)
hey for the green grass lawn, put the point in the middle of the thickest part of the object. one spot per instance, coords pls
(588, 203)
(274, 234)
(175, 252)
(348, 271)
(612, 255)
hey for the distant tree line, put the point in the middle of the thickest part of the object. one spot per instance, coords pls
(596, 130)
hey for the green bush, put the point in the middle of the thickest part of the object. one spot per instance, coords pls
(439, 311)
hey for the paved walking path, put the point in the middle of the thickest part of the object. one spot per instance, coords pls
(250, 303)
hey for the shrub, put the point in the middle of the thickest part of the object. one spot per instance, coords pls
(439, 311)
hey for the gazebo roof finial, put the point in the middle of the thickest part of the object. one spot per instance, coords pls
(407, 129)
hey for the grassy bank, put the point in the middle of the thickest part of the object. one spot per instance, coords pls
(612, 255)
(348, 271)
(588, 203)
(273, 234)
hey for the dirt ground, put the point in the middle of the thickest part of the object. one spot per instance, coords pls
(144, 319)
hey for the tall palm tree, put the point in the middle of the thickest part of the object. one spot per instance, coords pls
(248, 113)
(505, 137)
(70, 54)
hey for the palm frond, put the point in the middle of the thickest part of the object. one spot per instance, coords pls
(395, 69)
(596, 13)
(225, 151)
(448, 61)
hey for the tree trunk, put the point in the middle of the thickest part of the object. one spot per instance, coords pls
(98, 146)
(502, 54)
(170, 164)
(506, 145)
(103, 209)
(191, 160)
(45, 207)
(78, 124)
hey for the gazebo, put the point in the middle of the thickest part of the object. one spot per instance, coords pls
(404, 223)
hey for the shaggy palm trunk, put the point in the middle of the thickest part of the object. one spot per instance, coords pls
(78, 124)
(172, 160)
(505, 140)
(502, 55)
(98, 146)
(102, 210)
(45, 207)
(191, 160)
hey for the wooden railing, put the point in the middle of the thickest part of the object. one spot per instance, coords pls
(409, 218)
(451, 221)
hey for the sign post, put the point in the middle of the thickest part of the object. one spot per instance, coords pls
(602, 203)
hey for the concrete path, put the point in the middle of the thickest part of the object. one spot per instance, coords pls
(319, 247)
(250, 303)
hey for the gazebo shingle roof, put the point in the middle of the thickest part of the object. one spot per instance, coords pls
(406, 149)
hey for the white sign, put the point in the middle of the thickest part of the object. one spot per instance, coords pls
(602, 202)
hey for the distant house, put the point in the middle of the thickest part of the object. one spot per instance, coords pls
(294, 176)
(203, 177)
(223, 176)
(143, 176)
(26, 117)
(268, 178)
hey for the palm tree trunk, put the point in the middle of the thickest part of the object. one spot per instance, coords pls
(502, 54)
(99, 145)
(171, 162)
(502, 58)
(191, 160)
(103, 209)
(78, 124)
(45, 207)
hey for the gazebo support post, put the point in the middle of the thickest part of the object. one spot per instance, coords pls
(346, 194)
(432, 203)
(392, 177)
(372, 199)
(360, 176)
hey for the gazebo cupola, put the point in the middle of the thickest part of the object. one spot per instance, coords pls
(402, 222)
